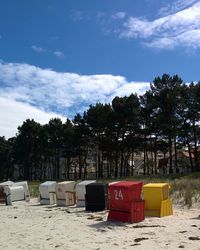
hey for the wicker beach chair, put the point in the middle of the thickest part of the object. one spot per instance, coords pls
(2, 196)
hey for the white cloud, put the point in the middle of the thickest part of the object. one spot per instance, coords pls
(13, 114)
(76, 15)
(176, 6)
(179, 29)
(130, 87)
(118, 15)
(38, 49)
(61, 93)
(58, 53)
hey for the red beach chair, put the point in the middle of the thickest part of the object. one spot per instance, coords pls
(125, 202)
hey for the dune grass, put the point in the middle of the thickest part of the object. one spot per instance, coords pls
(34, 188)
(186, 191)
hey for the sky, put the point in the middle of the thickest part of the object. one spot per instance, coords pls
(58, 57)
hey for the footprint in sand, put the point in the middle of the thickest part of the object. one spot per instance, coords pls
(136, 244)
(194, 238)
(140, 239)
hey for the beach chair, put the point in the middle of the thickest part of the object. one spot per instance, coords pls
(14, 193)
(125, 203)
(65, 193)
(96, 197)
(48, 193)
(157, 201)
(81, 191)
(7, 191)
(2, 196)
(25, 185)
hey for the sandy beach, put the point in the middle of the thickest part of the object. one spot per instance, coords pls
(32, 226)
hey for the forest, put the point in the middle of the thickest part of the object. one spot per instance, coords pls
(166, 118)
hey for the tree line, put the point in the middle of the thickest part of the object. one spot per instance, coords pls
(166, 118)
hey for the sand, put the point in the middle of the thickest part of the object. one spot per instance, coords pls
(32, 226)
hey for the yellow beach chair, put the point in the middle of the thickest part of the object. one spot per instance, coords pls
(157, 201)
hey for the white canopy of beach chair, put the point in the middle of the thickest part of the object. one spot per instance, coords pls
(7, 183)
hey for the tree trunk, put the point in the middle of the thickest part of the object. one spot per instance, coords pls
(116, 164)
(58, 164)
(170, 155)
(195, 147)
(144, 168)
(190, 154)
(175, 152)
(132, 159)
(155, 156)
(80, 166)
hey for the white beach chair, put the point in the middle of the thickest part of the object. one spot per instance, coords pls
(25, 185)
(48, 193)
(65, 193)
(81, 191)
(14, 193)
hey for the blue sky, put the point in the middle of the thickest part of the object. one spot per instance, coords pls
(57, 57)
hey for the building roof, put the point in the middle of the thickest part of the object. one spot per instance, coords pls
(181, 154)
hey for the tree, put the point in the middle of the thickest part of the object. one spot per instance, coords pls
(81, 142)
(26, 153)
(167, 94)
(69, 146)
(191, 120)
(126, 123)
(98, 120)
(55, 137)
(6, 164)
